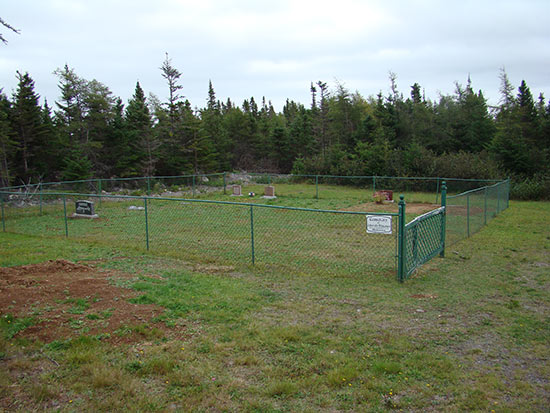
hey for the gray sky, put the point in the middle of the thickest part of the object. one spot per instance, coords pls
(277, 48)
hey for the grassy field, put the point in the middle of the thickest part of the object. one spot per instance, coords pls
(466, 333)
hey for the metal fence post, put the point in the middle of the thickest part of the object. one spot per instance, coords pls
(437, 192)
(316, 186)
(224, 184)
(146, 224)
(99, 190)
(401, 241)
(40, 196)
(415, 245)
(485, 208)
(468, 215)
(508, 193)
(194, 185)
(65, 215)
(148, 186)
(252, 232)
(3, 216)
(373, 185)
(498, 199)
(444, 217)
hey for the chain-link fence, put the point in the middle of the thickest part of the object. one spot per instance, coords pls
(273, 236)
(320, 186)
(296, 239)
(424, 238)
(188, 185)
(469, 211)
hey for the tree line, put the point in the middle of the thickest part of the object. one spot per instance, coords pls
(88, 132)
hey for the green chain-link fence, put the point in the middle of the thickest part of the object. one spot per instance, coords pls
(284, 237)
(322, 186)
(469, 211)
(213, 231)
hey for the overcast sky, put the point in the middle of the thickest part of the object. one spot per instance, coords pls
(277, 48)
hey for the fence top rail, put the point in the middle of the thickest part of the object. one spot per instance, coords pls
(425, 216)
(137, 178)
(426, 178)
(134, 178)
(206, 201)
(477, 189)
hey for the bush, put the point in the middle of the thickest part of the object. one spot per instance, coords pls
(528, 189)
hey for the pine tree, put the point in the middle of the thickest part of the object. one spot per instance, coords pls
(7, 145)
(212, 128)
(27, 125)
(49, 162)
(140, 136)
(172, 76)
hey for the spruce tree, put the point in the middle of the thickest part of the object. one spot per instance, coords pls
(140, 136)
(27, 125)
(7, 145)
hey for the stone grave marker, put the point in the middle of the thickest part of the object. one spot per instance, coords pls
(269, 192)
(237, 191)
(84, 209)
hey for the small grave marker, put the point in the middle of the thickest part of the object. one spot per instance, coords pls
(84, 209)
(386, 194)
(237, 191)
(269, 192)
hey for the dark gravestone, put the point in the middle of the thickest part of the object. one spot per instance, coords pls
(84, 209)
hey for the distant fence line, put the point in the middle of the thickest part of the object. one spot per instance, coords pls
(148, 184)
(289, 237)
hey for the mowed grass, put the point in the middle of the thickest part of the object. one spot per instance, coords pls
(469, 332)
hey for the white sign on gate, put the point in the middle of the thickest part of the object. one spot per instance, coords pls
(379, 224)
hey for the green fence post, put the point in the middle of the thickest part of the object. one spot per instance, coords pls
(252, 232)
(146, 224)
(468, 215)
(415, 245)
(444, 217)
(99, 190)
(224, 184)
(194, 186)
(508, 193)
(148, 186)
(40, 196)
(485, 208)
(437, 192)
(401, 241)
(373, 185)
(3, 217)
(65, 215)
(316, 186)
(498, 199)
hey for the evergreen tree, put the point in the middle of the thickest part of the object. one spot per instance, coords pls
(7, 145)
(140, 137)
(27, 125)
(49, 162)
(172, 76)
(212, 129)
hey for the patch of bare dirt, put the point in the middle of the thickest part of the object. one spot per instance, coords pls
(69, 299)
(416, 209)
(463, 210)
